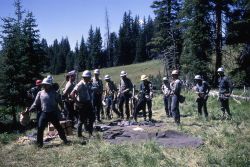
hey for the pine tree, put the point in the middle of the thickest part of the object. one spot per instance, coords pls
(197, 38)
(114, 49)
(97, 49)
(83, 56)
(90, 48)
(166, 42)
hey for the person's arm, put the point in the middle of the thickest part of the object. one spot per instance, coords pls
(74, 92)
(37, 103)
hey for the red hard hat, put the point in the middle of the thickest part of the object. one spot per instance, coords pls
(38, 82)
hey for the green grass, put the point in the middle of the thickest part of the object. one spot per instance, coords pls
(226, 142)
(134, 71)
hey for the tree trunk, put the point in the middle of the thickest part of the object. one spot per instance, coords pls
(218, 40)
(14, 118)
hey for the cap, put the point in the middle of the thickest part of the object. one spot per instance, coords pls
(38, 82)
(164, 78)
(175, 72)
(96, 71)
(107, 77)
(221, 69)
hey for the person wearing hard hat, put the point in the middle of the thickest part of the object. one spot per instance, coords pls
(146, 95)
(82, 95)
(225, 91)
(47, 100)
(202, 90)
(165, 88)
(110, 96)
(97, 94)
(68, 101)
(125, 88)
(175, 87)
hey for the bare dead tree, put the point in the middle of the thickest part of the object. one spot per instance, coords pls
(107, 22)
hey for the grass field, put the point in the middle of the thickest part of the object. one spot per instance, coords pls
(152, 68)
(226, 142)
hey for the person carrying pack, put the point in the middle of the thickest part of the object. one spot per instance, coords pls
(165, 88)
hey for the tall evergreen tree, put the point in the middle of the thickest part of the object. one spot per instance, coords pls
(197, 38)
(97, 49)
(167, 40)
(83, 56)
(114, 49)
(90, 48)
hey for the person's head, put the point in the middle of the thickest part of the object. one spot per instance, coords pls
(165, 80)
(175, 74)
(107, 78)
(71, 76)
(123, 74)
(144, 78)
(198, 79)
(86, 76)
(96, 73)
(38, 82)
(47, 83)
(220, 71)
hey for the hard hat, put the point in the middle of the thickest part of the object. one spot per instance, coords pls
(221, 69)
(47, 81)
(71, 73)
(86, 74)
(107, 77)
(197, 77)
(123, 73)
(96, 71)
(164, 78)
(38, 82)
(144, 77)
(175, 72)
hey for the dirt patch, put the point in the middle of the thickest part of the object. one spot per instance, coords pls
(145, 132)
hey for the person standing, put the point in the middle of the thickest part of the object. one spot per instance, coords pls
(68, 101)
(110, 95)
(97, 94)
(82, 95)
(125, 89)
(146, 95)
(175, 87)
(32, 96)
(165, 88)
(225, 91)
(47, 101)
(202, 90)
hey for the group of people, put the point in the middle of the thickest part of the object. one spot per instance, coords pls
(171, 92)
(83, 101)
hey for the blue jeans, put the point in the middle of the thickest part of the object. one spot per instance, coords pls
(167, 103)
(175, 108)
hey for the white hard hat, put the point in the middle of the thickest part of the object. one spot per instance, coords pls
(197, 77)
(175, 72)
(144, 77)
(50, 77)
(221, 69)
(123, 73)
(96, 71)
(47, 81)
(71, 73)
(107, 77)
(164, 78)
(86, 74)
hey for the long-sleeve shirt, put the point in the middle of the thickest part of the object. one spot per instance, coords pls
(125, 84)
(176, 87)
(203, 87)
(146, 88)
(225, 85)
(110, 89)
(46, 101)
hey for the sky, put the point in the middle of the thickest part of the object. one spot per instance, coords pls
(73, 18)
